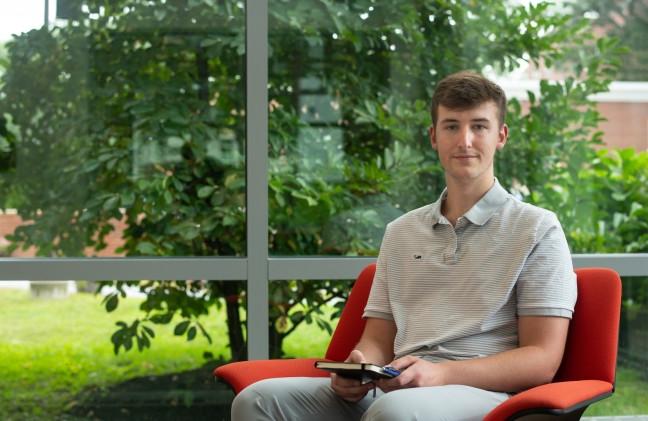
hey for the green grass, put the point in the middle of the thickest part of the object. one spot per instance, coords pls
(630, 397)
(52, 350)
(308, 340)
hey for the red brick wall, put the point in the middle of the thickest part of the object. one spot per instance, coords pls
(626, 125)
(9, 222)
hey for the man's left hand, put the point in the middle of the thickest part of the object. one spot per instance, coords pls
(415, 372)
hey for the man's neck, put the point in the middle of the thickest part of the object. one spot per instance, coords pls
(461, 196)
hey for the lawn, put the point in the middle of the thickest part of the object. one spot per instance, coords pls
(51, 350)
(630, 397)
(56, 353)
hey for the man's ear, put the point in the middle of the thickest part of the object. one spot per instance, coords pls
(503, 136)
(432, 134)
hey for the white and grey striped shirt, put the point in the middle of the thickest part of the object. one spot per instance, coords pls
(456, 292)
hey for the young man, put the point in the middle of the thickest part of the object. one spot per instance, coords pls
(472, 294)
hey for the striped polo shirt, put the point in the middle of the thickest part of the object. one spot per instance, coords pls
(456, 292)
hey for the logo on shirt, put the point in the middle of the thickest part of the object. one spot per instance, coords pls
(417, 257)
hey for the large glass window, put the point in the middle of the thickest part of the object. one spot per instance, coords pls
(123, 135)
(349, 91)
(350, 86)
(122, 131)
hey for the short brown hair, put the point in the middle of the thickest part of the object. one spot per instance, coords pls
(465, 90)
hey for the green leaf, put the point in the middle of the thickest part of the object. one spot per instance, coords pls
(112, 303)
(149, 331)
(190, 232)
(618, 196)
(208, 42)
(146, 342)
(127, 199)
(140, 343)
(147, 248)
(4, 145)
(160, 14)
(308, 199)
(181, 328)
(191, 333)
(162, 319)
(175, 142)
(228, 221)
(205, 191)
(111, 204)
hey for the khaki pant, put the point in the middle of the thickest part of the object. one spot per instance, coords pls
(312, 399)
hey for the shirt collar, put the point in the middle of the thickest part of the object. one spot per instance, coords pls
(481, 211)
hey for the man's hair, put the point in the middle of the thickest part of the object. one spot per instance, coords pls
(465, 90)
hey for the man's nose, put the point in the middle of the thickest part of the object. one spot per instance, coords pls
(466, 138)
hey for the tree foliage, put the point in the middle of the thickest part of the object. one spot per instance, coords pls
(133, 111)
(628, 21)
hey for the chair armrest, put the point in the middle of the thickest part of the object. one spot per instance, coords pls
(552, 398)
(241, 374)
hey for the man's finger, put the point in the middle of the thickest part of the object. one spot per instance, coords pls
(404, 362)
(356, 357)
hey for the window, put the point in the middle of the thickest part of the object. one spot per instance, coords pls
(154, 137)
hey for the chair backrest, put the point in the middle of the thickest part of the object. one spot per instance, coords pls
(592, 342)
(351, 324)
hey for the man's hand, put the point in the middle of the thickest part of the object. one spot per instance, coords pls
(415, 372)
(349, 389)
(376, 346)
(534, 362)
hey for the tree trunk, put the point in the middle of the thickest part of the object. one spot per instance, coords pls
(276, 342)
(238, 344)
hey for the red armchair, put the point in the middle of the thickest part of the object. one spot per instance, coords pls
(586, 375)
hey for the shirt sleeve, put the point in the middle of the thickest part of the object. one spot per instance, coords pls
(547, 283)
(378, 305)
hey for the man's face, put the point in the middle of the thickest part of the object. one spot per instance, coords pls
(466, 141)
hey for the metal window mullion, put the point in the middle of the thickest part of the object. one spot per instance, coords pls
(331, 267)
(626, 264)
(256, 66)
(119, 268)
(235, 268)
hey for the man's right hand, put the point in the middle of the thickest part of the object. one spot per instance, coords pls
(349, 389)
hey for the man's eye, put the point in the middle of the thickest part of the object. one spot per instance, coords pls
(479, 127)
(452, 128)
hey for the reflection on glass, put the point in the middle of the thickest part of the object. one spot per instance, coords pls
(58, 341)
(350, 85)
(626, 21)
(122, 131)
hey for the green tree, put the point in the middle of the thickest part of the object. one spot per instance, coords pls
(626, 20)
(133, 111)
